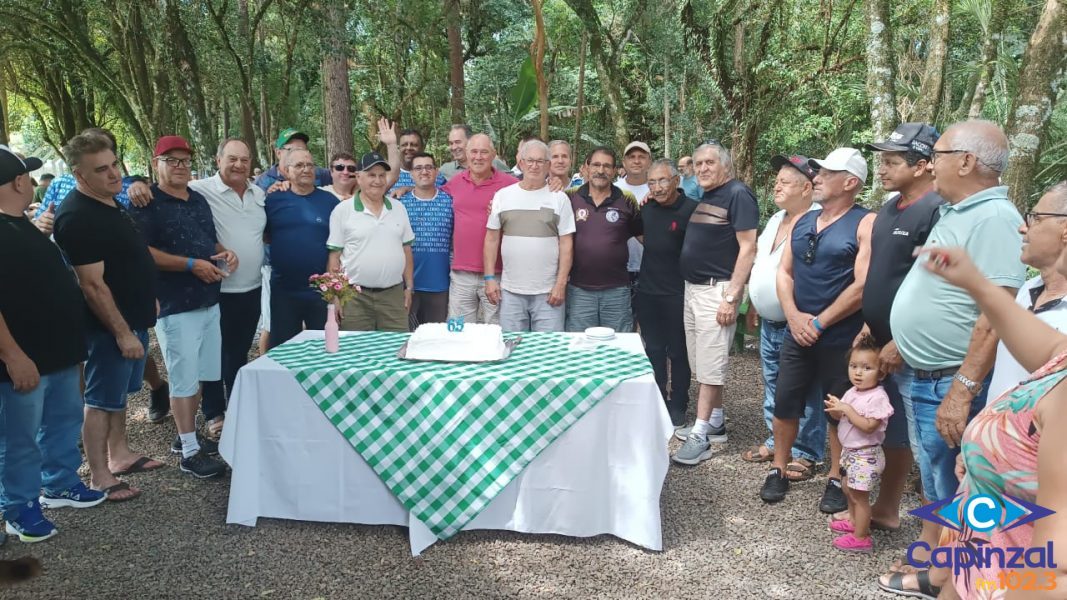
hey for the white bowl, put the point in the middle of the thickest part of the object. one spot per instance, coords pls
(600, 333)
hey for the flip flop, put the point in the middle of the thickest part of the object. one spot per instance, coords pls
(895, 585)
(755, 454)
(118, 487)
(140, 466)
(799, 470)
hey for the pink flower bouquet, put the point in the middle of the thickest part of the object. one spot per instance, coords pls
(334, 287)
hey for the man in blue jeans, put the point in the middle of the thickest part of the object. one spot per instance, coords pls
(793, 189)
(937, 326)
(40, 403)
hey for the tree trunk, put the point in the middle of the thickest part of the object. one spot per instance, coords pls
(1041, 77)
(453, 20)
(581, 99)
(337, 103)
(931, 90)
(3, 114)
(990, 46)
(187, 77)
(539, 65)
(666, 111)
(881, 69)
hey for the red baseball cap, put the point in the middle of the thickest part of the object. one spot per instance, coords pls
(170, 143)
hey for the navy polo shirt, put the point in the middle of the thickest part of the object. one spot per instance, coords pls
(298, 227)
(182, 228)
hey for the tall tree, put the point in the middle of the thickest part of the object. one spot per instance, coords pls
(881, 69)
(931, 91)
(187, 77)
(1041, 77)
(456, 60)
(538, 53)
(992, 34)
(337, 103)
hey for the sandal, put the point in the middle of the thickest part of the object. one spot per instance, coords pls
(758, 454)
(119, 487)
(800, 469)
(141, 465)
(875, 526)
(895, 585)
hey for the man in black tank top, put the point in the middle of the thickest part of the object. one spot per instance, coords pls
(820, 286)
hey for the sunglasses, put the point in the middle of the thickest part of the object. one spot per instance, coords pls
(349, 168)
(813, 244)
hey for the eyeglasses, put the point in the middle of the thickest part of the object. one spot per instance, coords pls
(935, 152)
(426, 168)
(1035, 217)
(175, 162)
(813, 243)
(658, 183)
(349, 168)
(535, 162)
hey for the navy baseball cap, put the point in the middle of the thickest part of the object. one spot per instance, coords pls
(373, 158)
(797, 161)
(11, 165)
(914, 137)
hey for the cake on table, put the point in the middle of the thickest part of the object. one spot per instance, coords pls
(473, 343)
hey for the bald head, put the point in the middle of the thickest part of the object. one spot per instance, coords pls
(480, 155)
(968, 158)
(984, 139)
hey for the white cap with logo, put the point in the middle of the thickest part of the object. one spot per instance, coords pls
(843, 159)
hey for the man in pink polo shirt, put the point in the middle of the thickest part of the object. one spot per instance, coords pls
(472, 193)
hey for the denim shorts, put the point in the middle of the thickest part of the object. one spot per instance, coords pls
(110, 378)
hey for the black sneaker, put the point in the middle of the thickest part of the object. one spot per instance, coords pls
(159, 408)
(833, 498)
(775, 487)
(207, 446)
(203, 466)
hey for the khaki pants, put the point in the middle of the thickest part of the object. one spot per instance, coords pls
(376, 311)
(466, 298)
(707, 341)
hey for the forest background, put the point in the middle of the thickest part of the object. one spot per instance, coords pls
(763, 76)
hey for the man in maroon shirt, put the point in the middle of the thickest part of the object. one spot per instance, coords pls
(605, 217)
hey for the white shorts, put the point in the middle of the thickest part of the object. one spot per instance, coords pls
(191, 343)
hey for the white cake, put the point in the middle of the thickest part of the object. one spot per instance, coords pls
(476, 343)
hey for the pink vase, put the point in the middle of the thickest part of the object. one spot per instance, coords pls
(332, 336)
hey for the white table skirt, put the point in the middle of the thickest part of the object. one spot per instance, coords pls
(603, 475)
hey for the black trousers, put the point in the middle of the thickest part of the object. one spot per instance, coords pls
(238, 318)
(801, 366)
(663, 332)
(291, 313)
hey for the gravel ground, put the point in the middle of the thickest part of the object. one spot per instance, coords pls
(719, 541)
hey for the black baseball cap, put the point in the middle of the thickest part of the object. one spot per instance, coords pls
(914, 137)
(797, 161)
(373, 158)
(11, 166)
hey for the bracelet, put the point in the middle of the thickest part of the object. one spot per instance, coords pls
(189, 264)
(818, 326)
(489, 277)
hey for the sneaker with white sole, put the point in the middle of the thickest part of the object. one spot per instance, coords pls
(31, 526)
(717, 435)
(202, 466)
(696, 450)
(79, 496)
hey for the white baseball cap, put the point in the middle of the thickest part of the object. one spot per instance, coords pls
(639, 146)
(843, 159)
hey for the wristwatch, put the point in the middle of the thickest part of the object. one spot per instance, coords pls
(973, 387)
(729, 298)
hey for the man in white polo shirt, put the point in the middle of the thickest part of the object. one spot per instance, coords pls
(370, 238)
(237, 211)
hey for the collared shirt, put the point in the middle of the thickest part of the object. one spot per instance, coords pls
(763, 283)
(298, 227)
(530, 223)
(372, 246)
(267, 178)
(451, 168)
(182, 228)
(431, 220)
(600, 251)
(470, 204)
(63, 185)
(664, 228)
(239, 224)
(1007, 372)
(932, 320)
(404, 180)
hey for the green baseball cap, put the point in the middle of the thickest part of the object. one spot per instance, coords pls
(288, 134)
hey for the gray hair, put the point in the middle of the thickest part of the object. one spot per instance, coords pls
(524, 150)
(991, 153)
(724, 154)
(1058, 194)
(225, 142)
(288, 156)
(665, 162)
(87, 142)
(555, 143)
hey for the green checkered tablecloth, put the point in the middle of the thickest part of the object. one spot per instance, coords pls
(446, 438)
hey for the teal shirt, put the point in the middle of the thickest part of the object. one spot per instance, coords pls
(932, 320)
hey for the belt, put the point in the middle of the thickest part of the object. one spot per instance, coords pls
(711, 281)
(372, 289)
(938, 374)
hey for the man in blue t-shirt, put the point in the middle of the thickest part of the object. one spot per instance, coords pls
(180, 233)
(298, 225)
(411, 143)
(430, 211)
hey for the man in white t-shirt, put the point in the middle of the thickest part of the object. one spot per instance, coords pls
(533, 228)
(1043, 235)
(636, 158)
(792, 194)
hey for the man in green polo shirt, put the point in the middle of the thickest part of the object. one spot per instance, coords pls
(937, 326)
